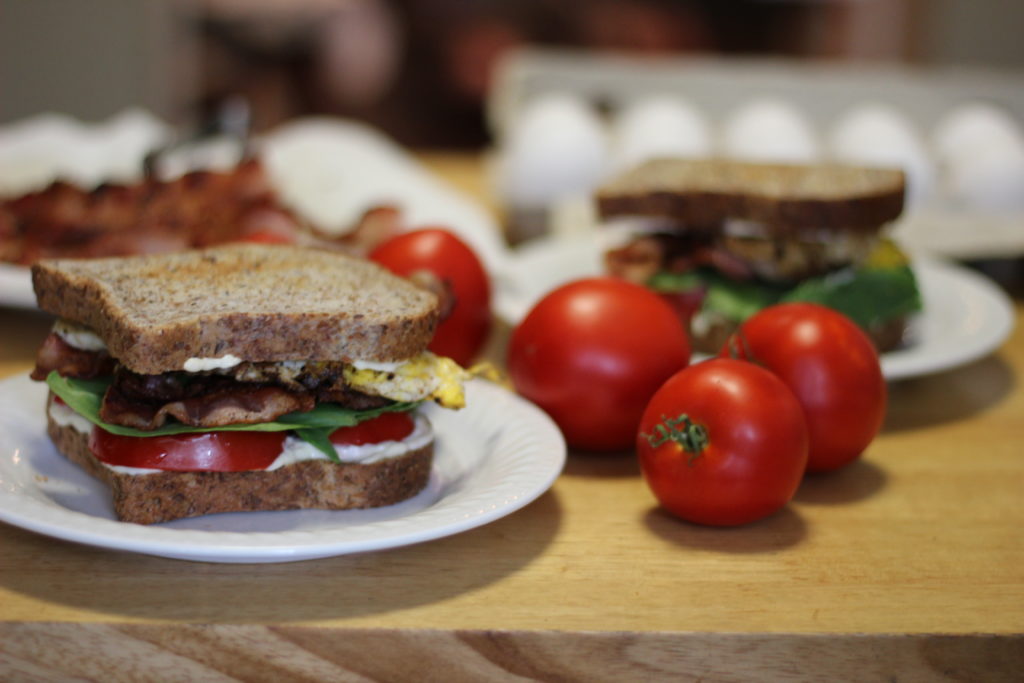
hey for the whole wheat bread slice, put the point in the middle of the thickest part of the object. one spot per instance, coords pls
(312, 484)
(256, 302)
(786, 198)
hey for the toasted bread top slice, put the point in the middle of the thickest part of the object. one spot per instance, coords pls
(786, 198)
(254, 302)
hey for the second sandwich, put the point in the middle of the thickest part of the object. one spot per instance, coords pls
(721, 240)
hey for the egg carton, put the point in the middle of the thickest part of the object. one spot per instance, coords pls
(958, 132)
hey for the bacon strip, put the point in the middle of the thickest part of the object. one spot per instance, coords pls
(240, 405)
(57, 354)
(201, 208)
(639, 260)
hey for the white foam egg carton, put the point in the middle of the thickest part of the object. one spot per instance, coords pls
(958, 132)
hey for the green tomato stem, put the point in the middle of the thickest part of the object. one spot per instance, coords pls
(691, 437)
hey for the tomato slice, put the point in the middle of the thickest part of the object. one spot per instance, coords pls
(196, 452)
(230, 451)
(385, 427)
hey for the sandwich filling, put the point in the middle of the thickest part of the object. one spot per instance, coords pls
(717, 278)
(366, 447)
(306, 401)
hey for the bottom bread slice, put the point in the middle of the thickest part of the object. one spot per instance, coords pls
(313, 484)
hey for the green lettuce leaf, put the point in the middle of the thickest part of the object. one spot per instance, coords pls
(86, 396)
(729, 298)
(868, 295)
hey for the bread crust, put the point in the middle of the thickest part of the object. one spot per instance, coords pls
(312, 484)
(785, 198)
(256, 302)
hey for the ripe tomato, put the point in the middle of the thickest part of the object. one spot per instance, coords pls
(191, 452)
(591, 353)
(464, 332)
(723, 442)
(831, 366)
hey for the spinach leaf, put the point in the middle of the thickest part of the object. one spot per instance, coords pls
(869, 296)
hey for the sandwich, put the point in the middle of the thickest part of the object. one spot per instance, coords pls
(242, 378)
(720, 240)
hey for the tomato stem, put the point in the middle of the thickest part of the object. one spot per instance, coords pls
(738, 347)
(691, 437)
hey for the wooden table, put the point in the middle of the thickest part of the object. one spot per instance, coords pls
(908, 565)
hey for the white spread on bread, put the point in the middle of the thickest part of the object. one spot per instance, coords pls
(207, 364)
(375, 365)
(64, 416)
(295, 449)
(78, 336)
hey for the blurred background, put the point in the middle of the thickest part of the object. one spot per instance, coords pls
(552, 96)
(421, 70)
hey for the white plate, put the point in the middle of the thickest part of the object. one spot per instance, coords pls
(329, 170)
(965, 316)
(492, 458)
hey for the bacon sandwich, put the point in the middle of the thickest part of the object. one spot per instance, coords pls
(242, 378)
(723, 239)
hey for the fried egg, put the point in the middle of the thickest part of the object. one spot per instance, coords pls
(424, 377)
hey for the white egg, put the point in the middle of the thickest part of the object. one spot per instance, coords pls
(659, 126)
(558, 148)
(876, 134)
(989, 179)
(971, 127)
(769, 130)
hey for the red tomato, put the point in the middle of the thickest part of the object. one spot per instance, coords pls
(464, 332)
(831, 366)
(591, 353)
(385, 427)
(723, 442)
(198, 452)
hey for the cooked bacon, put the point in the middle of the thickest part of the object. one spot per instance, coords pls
(377, 225)
(201, 208)
(214, 400)
(57, 354)
(647, 255)
(240, 404)
(637, 261)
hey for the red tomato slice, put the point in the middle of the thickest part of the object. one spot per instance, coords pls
(230, 451)
(386, 427)
(198, 452)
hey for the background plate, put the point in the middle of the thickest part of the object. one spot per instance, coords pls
(491, 458)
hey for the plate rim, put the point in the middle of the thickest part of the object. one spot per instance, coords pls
(538, 434)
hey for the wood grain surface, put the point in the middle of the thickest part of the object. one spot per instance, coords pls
(908, 565)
